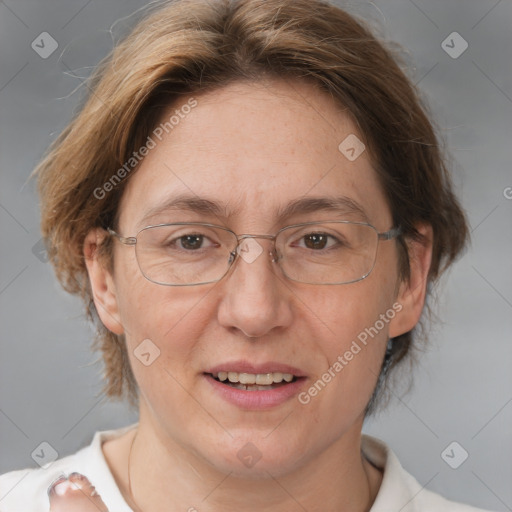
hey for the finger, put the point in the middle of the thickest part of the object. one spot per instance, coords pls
(74, 494)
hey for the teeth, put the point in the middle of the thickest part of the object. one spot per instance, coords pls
(248, 378)
(278, 377)
(260, 379)
(264, 379)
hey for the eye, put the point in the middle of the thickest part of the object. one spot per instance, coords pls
(318, 241)
(189, 242)
(192, 242)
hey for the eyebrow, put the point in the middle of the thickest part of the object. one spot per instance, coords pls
(188, 203)
(340, 205)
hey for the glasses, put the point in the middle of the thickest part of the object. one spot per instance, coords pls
(194, 253)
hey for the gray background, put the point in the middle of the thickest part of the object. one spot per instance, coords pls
(50, 386)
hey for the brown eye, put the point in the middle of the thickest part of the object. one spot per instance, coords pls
(316, 240)
(191, 241)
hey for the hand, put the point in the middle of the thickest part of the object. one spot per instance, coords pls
(75, 494)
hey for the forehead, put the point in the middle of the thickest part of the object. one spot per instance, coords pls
(253, 148)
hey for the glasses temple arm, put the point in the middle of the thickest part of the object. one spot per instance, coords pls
(392, 233)
(130, 240)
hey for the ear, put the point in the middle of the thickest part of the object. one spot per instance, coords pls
(102, 283)
(412, 293)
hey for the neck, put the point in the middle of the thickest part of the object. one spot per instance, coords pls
(164, 475)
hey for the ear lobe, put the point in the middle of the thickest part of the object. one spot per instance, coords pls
(102, 283)
(412, 293)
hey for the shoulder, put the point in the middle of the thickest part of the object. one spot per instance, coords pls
(401, 491)
(25, 490)
(425, 500)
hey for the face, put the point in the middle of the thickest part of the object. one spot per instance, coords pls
(253, 149)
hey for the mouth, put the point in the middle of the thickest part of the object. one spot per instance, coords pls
(255, 387)
(254, 381)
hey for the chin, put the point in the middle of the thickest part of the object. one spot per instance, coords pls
(253, 457)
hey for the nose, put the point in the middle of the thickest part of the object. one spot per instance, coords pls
(254, 298)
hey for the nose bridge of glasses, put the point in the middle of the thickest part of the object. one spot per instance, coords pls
(244, 236)
(272, 252)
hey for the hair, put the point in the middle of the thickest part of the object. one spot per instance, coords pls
(190, 46)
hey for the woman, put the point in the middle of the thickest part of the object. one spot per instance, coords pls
(253, 205)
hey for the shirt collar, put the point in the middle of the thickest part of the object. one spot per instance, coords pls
(96, 463)
(398, 489)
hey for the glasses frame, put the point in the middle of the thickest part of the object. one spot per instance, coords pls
(132, 241)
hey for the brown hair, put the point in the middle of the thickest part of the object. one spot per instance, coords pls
(190, 46)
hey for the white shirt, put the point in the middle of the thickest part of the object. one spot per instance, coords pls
(26, 490)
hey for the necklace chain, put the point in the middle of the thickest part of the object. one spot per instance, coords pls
(138, 509)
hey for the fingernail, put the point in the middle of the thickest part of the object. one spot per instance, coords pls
(62, 484)
(60, 487)
(58, 480)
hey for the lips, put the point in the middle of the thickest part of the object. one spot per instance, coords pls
(254, 387)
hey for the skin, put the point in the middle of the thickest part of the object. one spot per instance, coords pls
(75, 494)
(235, 143)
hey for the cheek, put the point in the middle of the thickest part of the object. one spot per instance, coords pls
(150, 310)
(355, 320)
(170, 318)
(173, 320)
(346, 311)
